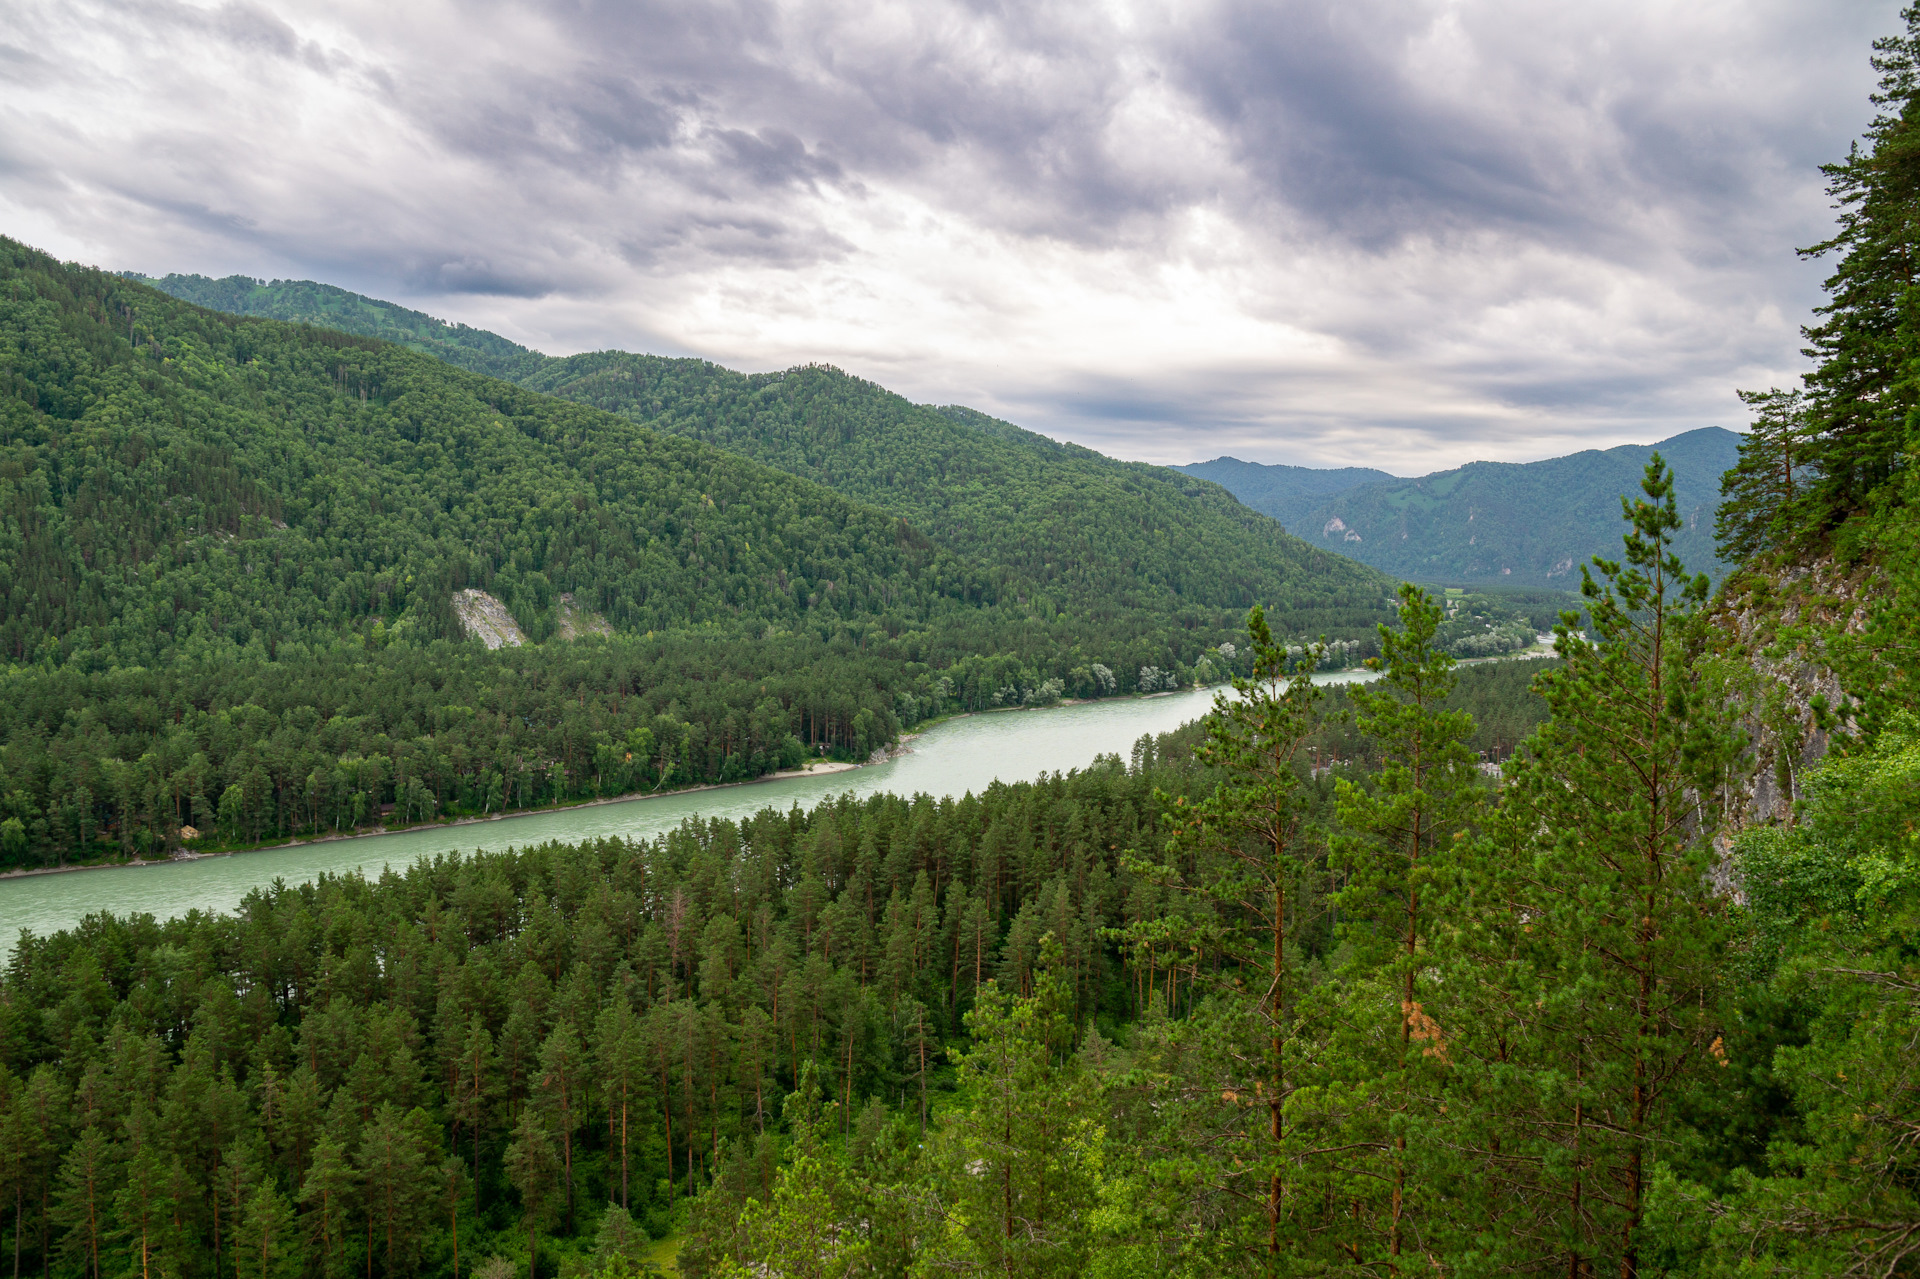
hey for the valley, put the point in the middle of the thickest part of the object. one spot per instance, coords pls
(472, 812)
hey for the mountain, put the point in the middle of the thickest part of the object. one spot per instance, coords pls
(268, 579)
(1049, 527)
(1518, 524)
(1273, 489)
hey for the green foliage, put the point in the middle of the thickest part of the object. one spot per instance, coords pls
(1596, 958)
(622, 1015)
(1044, 528)
(1397, 841)
(230, 549)
(1861, 390)
(1764, 492)
(1282, 490)
(323, 305)
(1019, 1154)
(1836, 907)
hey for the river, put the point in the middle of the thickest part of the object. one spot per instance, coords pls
(960, 755)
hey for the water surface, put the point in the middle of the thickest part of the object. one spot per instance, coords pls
(953, 758)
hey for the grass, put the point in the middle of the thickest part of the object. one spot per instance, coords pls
(662, 1254)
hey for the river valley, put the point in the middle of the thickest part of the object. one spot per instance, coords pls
(954, 757)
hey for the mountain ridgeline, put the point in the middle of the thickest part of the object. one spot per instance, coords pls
(232, 549)
(1527, 524)
(1051, 526)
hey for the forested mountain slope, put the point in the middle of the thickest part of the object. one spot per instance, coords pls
(1051, 526)
(181, 480)
(230, 546)
(306, 302)
(1512, 523)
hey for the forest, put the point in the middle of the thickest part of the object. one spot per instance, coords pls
(1065, 527)
(230, 548)
(1490, 970)
(1492, 523)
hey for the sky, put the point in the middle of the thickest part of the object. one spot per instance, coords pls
(1403, 235)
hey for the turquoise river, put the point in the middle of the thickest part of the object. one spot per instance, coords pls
(957, 756)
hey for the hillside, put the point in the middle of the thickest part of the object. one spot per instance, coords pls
(1048, 526)
(217, 483)
(241, 566)
(1520, 524)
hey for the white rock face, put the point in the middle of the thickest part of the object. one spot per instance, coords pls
(1338, 525)
(486, 618)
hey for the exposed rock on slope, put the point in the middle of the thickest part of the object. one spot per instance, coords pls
(486, 619)
(1767, 622)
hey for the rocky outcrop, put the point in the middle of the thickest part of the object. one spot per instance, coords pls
(486, 619)
(1767, 622)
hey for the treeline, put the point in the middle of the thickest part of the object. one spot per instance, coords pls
(1499, 696)
(115, 764)
(1825, 463)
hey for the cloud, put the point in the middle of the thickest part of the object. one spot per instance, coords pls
(1384, 233)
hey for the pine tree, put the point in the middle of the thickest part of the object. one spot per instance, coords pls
(1862, 387)
(1763, 495)
(84, 1202)
(620, 1063)
(144, 1207)
(266, 1242)
(533, 1167)
(1398, 833)
(1237, 849)
(561, 1089)
(477, 1083)
(1610, 996)
(328, 1193)
(393, 1159)
(1016, 1159)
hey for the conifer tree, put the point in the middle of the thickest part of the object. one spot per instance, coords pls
(1398, 831)
(1862, 387)
(533, 1168)
(620, 1064)
(328, 1193)
(1018, 1154)
(1613, 1000)
(144, 1208)
(394, 1159)
(561, 1088)
(1238, 848)
(1762, 496)
(84, 1203)
(266, 1242)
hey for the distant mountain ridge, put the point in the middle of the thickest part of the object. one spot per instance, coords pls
(1270, 488)
(1052, 526)
(1492, 523)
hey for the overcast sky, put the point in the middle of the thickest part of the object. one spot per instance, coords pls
(1404, 235)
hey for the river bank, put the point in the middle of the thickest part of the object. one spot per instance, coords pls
(821, 769)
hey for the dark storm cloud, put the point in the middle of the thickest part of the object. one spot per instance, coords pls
(1158, 226)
